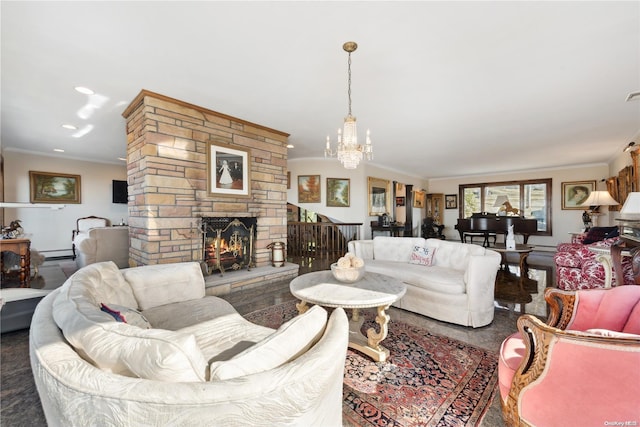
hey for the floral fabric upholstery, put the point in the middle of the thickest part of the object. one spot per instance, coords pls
(577, 267)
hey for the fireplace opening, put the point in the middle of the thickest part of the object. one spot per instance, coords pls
(228, 243)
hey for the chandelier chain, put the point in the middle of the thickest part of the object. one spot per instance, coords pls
(349, 83)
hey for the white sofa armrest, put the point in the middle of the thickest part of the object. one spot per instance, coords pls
(480, 279)
(361, 248)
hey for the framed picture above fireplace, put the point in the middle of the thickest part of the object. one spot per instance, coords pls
(228, 170)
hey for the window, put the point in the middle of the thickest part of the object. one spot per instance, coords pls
(530, 199)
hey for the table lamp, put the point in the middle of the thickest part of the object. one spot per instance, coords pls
(631, 208)
(597, 199)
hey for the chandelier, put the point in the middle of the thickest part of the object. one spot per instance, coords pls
(348, 151)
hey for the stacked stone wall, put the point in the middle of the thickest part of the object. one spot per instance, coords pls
(167, 143)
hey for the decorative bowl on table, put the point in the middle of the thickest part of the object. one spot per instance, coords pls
(347, 274)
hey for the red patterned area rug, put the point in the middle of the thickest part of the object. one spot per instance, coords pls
(429, 380)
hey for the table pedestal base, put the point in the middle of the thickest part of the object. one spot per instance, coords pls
(369, 344)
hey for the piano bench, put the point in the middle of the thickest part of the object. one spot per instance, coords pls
(484, 234)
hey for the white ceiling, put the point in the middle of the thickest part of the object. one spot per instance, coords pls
(447, 88)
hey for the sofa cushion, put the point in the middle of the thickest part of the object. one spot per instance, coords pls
(103, 281)
(183, 314)
(290, 340)
(435, 278)
(421, 255)
(395, 249)
(453, 254)
(161, 284)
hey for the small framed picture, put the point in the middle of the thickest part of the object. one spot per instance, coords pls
(379, 196)
(49, 187)
(228, 169)
(575, 193)
(419, 198)
(451, 201)
(308, 188)
(399, 201)
(338, 192)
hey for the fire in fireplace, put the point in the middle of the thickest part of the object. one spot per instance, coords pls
(228, 243)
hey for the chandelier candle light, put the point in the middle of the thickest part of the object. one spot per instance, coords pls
(349, 152)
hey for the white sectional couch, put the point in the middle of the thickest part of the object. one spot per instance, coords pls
(458, 286)
(200, 363)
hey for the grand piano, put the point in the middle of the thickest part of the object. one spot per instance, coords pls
(487, 224)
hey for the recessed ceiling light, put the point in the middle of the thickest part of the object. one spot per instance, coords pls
(67, 126)
(84, 90)
(58, 150)
(289, 145)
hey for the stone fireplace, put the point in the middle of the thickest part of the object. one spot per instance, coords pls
(167, 180)
(228, 243)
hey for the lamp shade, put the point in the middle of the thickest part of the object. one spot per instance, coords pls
(500, 200)
(631, 208)
(599, 198)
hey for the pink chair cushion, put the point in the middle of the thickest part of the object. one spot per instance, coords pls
(582, 376)
(512, 351)
(617, 309)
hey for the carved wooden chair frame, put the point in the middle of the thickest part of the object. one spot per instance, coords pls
(537, 337)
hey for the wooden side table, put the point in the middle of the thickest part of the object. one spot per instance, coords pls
(22, 247)
(522, 250)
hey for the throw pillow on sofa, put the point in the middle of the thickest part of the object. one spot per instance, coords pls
(155, 285)
(126, 315)
(422, 256)
(595, 234)
(291, 340)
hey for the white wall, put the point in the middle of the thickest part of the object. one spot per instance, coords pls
(563, 221)
(358, 211)
(50, 230)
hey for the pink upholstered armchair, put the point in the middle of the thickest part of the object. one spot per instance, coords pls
(581, 368)
(577, 267)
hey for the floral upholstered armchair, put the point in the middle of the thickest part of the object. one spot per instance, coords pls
(580, 368)
(577, 266)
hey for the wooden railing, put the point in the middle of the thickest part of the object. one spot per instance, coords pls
(320, 238)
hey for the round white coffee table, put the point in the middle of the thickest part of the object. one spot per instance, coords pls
(374, 290)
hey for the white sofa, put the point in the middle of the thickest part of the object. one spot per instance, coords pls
(458, 286)
(201, 363)
(102, 244)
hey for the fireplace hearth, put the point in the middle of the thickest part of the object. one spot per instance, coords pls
(228, 243)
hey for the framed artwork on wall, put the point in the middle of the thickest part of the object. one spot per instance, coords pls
(451, 201)
(338, 192)
(49, 187)
(308, 188)
(379, 196)
(228, 170)
(419, 198)
(575, 193)
(400, 201)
